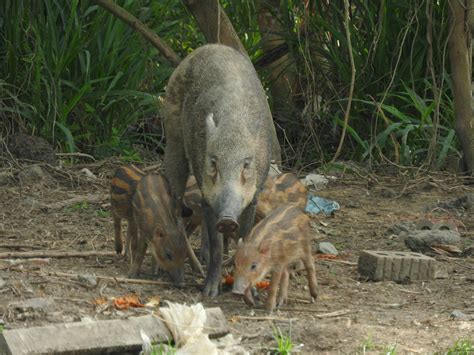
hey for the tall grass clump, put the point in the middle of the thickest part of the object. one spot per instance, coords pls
(401, 110)
(73, 73)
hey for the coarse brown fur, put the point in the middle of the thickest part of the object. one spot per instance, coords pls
(217, 120)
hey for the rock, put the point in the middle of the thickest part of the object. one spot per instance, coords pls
(88, 173)
(31, 148)
(465, 202)
(401, 227)
(88, 280)
(34, 304)
(2, 283)
(421, 241)
(33, 174)
(327, 248)
(457, 314)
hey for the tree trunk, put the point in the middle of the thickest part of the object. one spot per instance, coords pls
(460, 58)
(217, 28)
(276, 59)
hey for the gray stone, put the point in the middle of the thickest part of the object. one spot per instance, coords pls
(97, 337)
(422, 240)
(2, 283)
(457, 314)
(33, 174)
(401, 227)
(88, 280)
(327, 248)
(395, 266)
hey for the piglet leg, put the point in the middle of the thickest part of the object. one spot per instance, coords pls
(283, 292)
(272, 292)
(311, 274)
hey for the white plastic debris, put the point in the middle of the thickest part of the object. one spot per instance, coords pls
(315, 180)
(186, 324)
(88, 173)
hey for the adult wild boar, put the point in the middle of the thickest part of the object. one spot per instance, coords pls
(217, 120)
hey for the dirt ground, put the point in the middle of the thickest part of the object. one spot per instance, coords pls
(413, 317)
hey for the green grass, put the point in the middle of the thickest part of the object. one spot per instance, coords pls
(2, 328)
(461, 347)
(102, 213)
(162, 349)
(79, 206)
(284, 342)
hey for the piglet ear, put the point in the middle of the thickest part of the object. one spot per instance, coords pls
(264, 248)
(211, 125)
(159, 232)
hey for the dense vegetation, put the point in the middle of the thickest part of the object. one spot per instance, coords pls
(79, 77)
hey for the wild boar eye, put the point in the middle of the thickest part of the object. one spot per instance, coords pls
(253, 266)
(168, 256)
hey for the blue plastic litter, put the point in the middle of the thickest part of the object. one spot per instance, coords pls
(318, 204)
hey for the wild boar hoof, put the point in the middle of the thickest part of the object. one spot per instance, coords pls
(211, 289)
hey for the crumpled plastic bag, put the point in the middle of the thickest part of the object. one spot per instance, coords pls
(186, 324)
(316, 204)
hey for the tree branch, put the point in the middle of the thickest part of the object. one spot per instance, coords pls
(140, 27)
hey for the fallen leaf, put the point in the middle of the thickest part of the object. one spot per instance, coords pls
(326, 256)
(263, 285)
(228, 280)
(128, 301)
(100, 301)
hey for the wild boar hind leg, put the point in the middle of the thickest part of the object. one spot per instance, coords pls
(176, 168)
(214, 270)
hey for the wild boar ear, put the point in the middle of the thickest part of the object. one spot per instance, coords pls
(211, 125)
(264, 248)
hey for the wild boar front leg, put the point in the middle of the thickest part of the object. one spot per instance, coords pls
(204, 251)
(214, 270)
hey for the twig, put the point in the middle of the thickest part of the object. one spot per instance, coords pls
(351, 89)
(140, 27)
(342, 312)
(72, 201)
(16, 262)
(152, 167)
(280, 319)
(107, 278)
(345, 262)
(54, 254)
(20, 246)
(82, 155)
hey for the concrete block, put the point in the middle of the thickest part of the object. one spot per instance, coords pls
(395, 266)
(107, 336)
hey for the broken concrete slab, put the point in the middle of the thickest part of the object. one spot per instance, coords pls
(422, 240)
(395, 266)
(120, 335)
